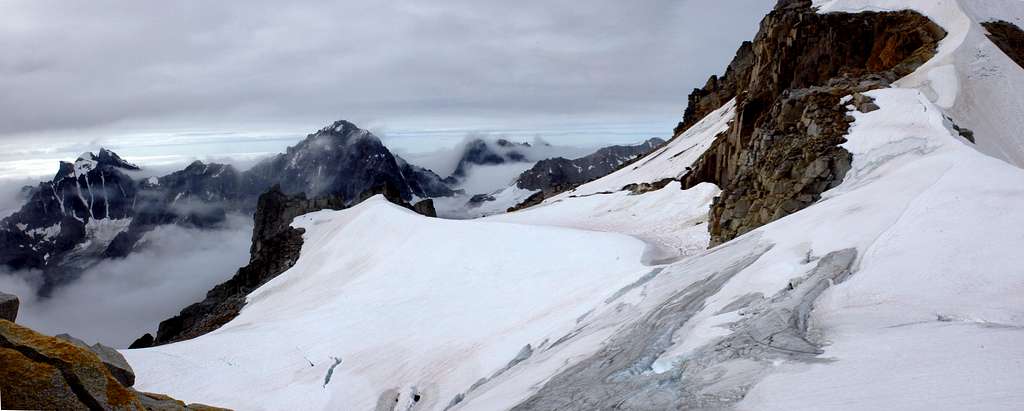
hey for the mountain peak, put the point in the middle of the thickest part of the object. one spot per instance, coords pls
(341, 127)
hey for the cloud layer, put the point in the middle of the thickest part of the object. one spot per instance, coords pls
(119, 300)
(393, 63)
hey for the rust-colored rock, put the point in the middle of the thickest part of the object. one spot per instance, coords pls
(1008, 37)
(39, 372)
(782, 150)
(9, 306)
(42, 372)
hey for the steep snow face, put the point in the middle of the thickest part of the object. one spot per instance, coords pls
(927, 319)
(930, 224)
(386, 301)
(385, 307)
(970, 78)
(673, 222)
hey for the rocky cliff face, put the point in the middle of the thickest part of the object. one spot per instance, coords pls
(1008, 37)
(560, 174)
(782, 151)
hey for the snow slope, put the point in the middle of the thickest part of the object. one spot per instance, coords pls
(404, 302)
(672, 221)
(670, 161)
(494, 313)
(970, 78)
(927, 320)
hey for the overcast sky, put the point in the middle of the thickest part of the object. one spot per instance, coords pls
(95, 72)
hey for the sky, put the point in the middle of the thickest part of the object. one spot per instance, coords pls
(162, 82)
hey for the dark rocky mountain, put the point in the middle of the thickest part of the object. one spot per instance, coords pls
(480, 152)
(340, 159)
(424, 183)
(560, 174)
(71, 216)
(93, 208)
(782, 151)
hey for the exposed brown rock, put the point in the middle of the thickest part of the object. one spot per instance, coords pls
(425, 208)
(39, 372)
(532, 200)
(9, 307)
(42, 372)
(641, 188)
(160, 402)
(1008, 37)
(782, 152)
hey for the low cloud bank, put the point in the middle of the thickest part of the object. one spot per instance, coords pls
(119, 300)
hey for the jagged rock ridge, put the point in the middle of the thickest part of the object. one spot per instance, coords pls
(1008, 37)
(561, 174)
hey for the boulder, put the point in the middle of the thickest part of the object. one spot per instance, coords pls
(112, 359)
(42, 372)
(160, 402)
(9, 306)
(115, 363)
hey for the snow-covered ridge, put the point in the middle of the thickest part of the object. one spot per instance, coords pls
(670, 161)
(899, 289)
(404, 302)
(973, 81)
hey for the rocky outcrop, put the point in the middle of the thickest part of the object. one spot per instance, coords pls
(782, 151)
(9, 307)
(48, 373)
(532, 200)
(146, 340)
(275, 248)
(425, 208)
(1008, 37)
(110, 358)
(560, 174)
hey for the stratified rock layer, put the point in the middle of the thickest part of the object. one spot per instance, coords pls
(782, 151)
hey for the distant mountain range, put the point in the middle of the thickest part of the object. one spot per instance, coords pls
(100, 206)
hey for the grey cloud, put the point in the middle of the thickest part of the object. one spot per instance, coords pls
(85, 64)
